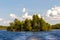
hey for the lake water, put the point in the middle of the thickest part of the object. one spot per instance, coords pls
(51, 35)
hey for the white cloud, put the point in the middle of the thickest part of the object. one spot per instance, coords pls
(13, 16)
(6, 22)
(24, 9)
(26, 16)
(54, 13)
(39, 15)
(1, 19)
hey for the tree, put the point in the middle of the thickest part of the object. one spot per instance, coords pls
(56, 26)
(36, 23)
(27, 25)
(44, 26)
(18, 25)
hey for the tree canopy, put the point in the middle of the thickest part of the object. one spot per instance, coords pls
(36, 24)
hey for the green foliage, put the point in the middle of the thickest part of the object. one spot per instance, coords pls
(56, 26)
(44, 26)
(27, 25)
(17, 25)
(3, 27)
(36, 24)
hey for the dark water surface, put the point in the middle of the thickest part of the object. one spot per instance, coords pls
(51, 35)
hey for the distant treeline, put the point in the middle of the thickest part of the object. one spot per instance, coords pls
(3, 27)
(36, 24)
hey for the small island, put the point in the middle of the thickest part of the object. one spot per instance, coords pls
(36, 24)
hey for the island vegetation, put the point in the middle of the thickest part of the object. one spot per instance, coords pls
(35, 24)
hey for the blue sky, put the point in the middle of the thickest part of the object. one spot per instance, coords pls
(8, 7)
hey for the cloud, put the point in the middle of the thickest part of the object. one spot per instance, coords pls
(39, 15)
(13, 16)
(54, 13)
(24, 9)
(26, 16)
(1, 19)
(6, 22)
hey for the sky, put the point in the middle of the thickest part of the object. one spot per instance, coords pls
(48, 9)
